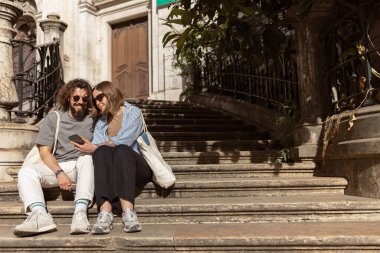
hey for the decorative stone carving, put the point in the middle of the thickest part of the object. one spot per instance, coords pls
(54, 28)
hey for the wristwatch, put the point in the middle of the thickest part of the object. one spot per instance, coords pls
(59, 170)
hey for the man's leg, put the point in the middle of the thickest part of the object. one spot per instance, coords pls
(30, 190)
(83, 195)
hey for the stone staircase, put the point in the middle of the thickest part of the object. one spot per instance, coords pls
(232, 194)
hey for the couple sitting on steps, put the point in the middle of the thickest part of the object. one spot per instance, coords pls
(106, 163)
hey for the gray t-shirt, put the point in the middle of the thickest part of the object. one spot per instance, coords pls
(65, 151)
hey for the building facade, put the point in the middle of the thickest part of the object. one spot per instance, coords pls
(117, 40)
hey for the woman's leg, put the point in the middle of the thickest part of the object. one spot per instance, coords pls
(104, 173)
(133, 172)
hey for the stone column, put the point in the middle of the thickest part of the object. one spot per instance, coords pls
(9, 12)
(53, 28)
(313, 88)
(17, 139)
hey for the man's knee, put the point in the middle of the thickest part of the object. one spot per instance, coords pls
(27, 172)
(86, 159)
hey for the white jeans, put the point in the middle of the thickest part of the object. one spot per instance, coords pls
(31, 180)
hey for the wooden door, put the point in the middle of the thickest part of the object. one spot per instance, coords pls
(130, 58)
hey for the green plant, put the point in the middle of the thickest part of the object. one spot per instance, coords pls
(222, 28)
(286, 117)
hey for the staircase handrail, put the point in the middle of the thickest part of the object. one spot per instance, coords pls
(38, 83)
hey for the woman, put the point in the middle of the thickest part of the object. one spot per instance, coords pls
(118, 164)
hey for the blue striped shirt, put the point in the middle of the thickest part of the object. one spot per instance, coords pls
(131, 128)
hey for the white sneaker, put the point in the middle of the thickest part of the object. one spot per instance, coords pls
(130, 222)
(80, 224)
(36, 223)
(103, 223)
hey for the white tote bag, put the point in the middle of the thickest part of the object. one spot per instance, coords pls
(162, 172)
(33, 156)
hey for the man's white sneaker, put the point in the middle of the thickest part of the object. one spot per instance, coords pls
(36, 223)
(103, 223)
(130, 222)
(80, 224)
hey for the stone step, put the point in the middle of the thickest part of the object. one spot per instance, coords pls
(200, 128)
(187, 110)
(305, 169)
(226, 168)
(221, 157)
(224, 237)
(154, 103)
(162, 115)
(198, 122)
(248, 187)
(172, 106)
(275, 209)
(206, 136)
(220, 187)
(216, 145)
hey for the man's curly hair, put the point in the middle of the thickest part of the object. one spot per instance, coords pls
(63, 98)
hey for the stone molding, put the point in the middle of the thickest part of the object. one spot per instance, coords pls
(87, 6)
(362, 141)
(54, 23)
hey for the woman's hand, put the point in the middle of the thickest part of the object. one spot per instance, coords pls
(87, 147)
(109, 143)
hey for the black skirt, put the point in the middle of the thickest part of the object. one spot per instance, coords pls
(118, 172)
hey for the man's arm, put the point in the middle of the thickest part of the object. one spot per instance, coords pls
(50, 161)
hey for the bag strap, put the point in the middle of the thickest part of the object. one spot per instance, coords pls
(56, 131)
(143, 121)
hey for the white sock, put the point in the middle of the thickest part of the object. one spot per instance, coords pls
(81, 205)
(38, 207)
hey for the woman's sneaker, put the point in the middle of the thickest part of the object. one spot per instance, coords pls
(103, 223)
(36, 223)
(130, 222)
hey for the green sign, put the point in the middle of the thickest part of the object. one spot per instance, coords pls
(164, 2)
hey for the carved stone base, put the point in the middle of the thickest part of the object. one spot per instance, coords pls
(308, 142)
(15, 142)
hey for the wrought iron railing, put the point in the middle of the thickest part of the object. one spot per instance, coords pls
(271, 85)
(354, 58)
(38, 76)
(354, 82)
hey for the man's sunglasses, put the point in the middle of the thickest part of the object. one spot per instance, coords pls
(77, 98)
(99, 97)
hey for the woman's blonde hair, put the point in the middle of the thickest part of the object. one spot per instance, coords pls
(115, 99)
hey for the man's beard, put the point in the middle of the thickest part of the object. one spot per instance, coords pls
(78, 114)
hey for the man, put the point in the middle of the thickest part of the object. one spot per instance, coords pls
(63, 168)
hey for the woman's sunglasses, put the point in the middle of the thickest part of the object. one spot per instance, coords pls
(77, 98)
(99, 97)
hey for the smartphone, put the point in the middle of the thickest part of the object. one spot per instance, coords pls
(76, 138)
